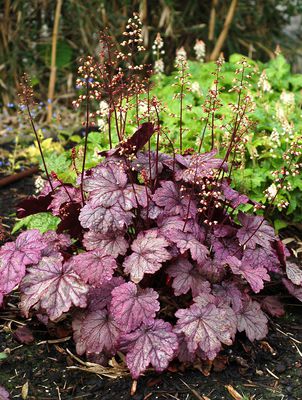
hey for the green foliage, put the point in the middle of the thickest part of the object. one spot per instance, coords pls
(43, 221)
(277, 121)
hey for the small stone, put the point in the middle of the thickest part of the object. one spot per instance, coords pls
(280, 368)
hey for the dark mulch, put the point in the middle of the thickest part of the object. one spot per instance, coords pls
(269, 369)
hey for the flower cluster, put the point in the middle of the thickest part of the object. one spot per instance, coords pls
(263, 83)
(200, 50)
(158, 52)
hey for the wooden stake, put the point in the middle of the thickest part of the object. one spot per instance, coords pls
(53, 66)
(223, 34)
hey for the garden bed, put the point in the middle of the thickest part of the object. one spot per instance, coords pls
(269, 369)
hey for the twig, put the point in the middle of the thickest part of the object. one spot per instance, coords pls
(193, 391)
(54, 341)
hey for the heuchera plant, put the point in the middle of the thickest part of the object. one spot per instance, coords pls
(153, 257)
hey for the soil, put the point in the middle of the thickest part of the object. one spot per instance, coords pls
(46, 369)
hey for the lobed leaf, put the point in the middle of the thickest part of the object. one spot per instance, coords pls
(206, 327)
(95, 332)
(154, 344)
(131, 306)
(149, 252)
(52, 286)
(253, 321)
(94, 267)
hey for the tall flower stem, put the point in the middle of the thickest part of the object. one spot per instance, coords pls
(39, 144)
(86, 140)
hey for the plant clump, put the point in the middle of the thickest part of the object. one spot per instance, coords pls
(155, 256)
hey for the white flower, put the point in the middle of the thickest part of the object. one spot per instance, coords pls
(275, 136)
(271, 191)
(263, 83)
(39, 184)
(200, 50)
(143, 107)
(195, 88)
(104, 109)
(287, 98)
(181, 57)
(159, 66)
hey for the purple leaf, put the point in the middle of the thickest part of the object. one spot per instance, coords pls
(225, 247)
(153, 344)
(15, 256)
(294, 273)
(175, 222)
(233, 197)
(150, 211)
(23, 335)
(229, 293)
(12, 269)
(253, 321)
(30, 243)
(206, 327)
(187, 241)
(200, 166)
(64, 195)
(4, 395)
(108, 186)
(69, 214)
(138, 140)
(99, 298)
(147, 162)
(169, 197)
(33, 205)
(52, 286)
(213, 270)
(254, 275)
(254, 231)
(110, 243)
(273, 306)
(149, 252)
(94, 267)
(260, 257)
(105, 220)
(183, 354)
(132, 306)
(187, 277)
(294, 290)
(95, 332)
(222, 231)
(134, 143)
(55, 243)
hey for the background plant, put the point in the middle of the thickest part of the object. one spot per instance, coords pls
(27, 29)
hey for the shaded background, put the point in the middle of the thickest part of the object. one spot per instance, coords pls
(255, 28)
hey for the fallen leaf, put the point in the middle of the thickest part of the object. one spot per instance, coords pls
(220, 363)
(133, 387)
(267, 347)
(233, 392)
(24, 391)
(23, 335)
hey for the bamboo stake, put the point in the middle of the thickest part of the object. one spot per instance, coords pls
(223, 34)
(212, 20)
(53, 67)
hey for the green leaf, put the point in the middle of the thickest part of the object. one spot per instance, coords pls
(279, 224)
(64, 54)
(43, 221)
(3, 355)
